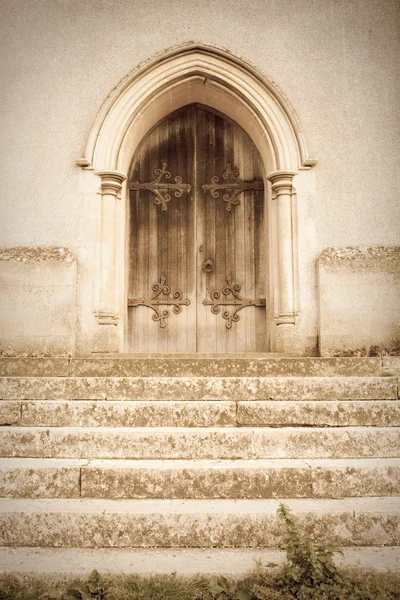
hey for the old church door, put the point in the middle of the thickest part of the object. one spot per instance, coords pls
(197, 245)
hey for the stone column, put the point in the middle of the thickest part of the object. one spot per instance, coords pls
(111, 185)
(282, 189)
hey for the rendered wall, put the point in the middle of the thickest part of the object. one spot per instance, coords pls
(336, 60)
(359, 301)
(37, 301)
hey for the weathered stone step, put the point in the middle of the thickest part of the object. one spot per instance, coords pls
(319, 413)
(241, 479)
(148, 413)
(197, 443)
(194, 523)
(199, 388)
(62, 562)
(204, 413)
(196, 365)
(118, 479)
(40, 477)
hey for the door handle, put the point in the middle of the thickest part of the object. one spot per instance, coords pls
(208, 266)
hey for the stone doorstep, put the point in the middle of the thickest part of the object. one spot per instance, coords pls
(199, 443)
(194, 523)
(61, 562)
(197, 365)
(203, 413)
(34, 367)
(112, 479)
(199, 388)
(391, 365)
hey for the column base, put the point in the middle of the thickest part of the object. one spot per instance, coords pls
(106, 339)
(287, 339)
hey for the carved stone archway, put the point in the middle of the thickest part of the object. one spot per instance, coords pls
(178, 77)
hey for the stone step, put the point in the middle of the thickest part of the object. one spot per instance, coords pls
(197, 365)
(80, 562)
(77, 523)
(319, 413)
(200, 443)
(40, 477)
(236, 479)
(204, 413)
(156, 413)
(199, 388)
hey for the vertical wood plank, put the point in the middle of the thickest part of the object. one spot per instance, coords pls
(188, 203)
(159, 240)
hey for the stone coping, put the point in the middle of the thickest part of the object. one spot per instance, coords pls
(197, 365)
(347, 253)
(36, 254)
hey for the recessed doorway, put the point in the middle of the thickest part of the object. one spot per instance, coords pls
(197, 238)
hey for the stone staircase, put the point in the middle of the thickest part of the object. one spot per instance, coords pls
(170, 460)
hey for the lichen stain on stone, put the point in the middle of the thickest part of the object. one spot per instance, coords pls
(348, 253)
(32, 254)
(373, 350)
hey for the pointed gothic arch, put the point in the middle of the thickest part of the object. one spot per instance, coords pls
(201, 73)
(178, 77)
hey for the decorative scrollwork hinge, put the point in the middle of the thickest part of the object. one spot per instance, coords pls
(233, 185)
(161, 288)
(161, 188)
(217, 300)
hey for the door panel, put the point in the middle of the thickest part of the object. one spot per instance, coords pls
(197, 231)
(230, 236)
(162, 251)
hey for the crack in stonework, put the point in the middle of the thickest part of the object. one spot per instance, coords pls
(237, 424)
(311, 477)
(80, 476)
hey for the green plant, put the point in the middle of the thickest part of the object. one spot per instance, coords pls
(308, 564)
(93, 590)
(310, 572)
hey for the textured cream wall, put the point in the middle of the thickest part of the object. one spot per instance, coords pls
(359, 300)
(37, 301)
(338, 61)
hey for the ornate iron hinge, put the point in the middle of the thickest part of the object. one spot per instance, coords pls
(217, 300)
(233, 184)
(161, 288)
(161, 188)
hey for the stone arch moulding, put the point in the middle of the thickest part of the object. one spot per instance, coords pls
(211, 76)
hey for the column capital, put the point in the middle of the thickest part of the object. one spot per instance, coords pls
(111, 182)
(281, 181)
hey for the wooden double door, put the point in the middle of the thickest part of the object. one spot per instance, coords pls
(197, 265)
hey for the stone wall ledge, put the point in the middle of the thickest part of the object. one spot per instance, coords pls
(36, 254)
(360, 253)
